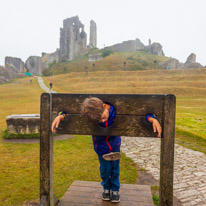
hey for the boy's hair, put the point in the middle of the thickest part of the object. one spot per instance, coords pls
(92, 109)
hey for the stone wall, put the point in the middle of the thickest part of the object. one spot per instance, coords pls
(34, 65)
(93, 35)
(172, 64)
(128, 46)
(23, 124)
(194, 65)
(156, 49)
(95, 57)
(191, 59)
(175, 64)
(13, 63)
(50, 58)
(73, 39)
(137, 45)
(4, 75)
(191, 62)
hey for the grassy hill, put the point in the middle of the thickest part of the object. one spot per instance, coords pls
(115, 61)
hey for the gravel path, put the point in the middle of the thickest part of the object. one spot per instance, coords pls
(43, 86)
(189, 167)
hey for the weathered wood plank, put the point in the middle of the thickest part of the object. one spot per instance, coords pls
(124, 125)
(130, 192)
(90, 193)
(167, 152)
(122, 203)
(142, 195)
(123, 186)
(131, 104)
(46, 150)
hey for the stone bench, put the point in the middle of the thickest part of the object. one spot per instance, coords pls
(23, 123)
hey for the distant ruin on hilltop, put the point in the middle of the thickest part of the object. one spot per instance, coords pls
(137, 45)
(73, 43)
(73, 38)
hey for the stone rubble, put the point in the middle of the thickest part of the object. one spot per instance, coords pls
(189, 167)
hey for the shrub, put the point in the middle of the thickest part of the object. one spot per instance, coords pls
(106, 52)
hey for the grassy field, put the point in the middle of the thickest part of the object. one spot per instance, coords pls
(19, 163)
(189, 86)
(114, 62)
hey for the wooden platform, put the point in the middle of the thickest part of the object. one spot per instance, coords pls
(83, 193)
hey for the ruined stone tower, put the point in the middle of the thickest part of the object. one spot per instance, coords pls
(73, 39)
(93, 35)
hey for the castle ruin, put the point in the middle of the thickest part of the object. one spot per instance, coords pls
(14, 64)
(73, 43)
(73, 39)
(137, 45)
(93, 35)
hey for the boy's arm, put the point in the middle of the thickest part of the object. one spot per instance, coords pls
(155, 124)
(55, 124)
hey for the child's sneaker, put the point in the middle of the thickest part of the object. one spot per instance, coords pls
(115, 197)
(106, 195)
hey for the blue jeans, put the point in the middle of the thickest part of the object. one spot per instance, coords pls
(109, 171)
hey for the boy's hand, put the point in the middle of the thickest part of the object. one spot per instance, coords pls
(156, 126)
(55, 123)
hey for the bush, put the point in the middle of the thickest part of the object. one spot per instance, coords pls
(106, 52)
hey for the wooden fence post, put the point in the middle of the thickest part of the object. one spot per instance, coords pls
(46, 151)
(167, 152)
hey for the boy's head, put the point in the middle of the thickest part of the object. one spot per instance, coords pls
(95, 110)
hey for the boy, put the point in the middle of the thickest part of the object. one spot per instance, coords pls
(106, 147)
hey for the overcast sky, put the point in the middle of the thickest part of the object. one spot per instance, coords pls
(30, 27)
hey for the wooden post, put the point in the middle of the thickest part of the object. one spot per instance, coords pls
(167, 152)
(46, 151)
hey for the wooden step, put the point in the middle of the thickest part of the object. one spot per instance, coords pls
(84, 193)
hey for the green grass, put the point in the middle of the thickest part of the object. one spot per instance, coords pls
(155, 194)
(155, 198)
(74, 159)
(7, 135)
(114, 62)
(190, 141)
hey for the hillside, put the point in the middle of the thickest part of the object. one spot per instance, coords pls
(115, 61)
